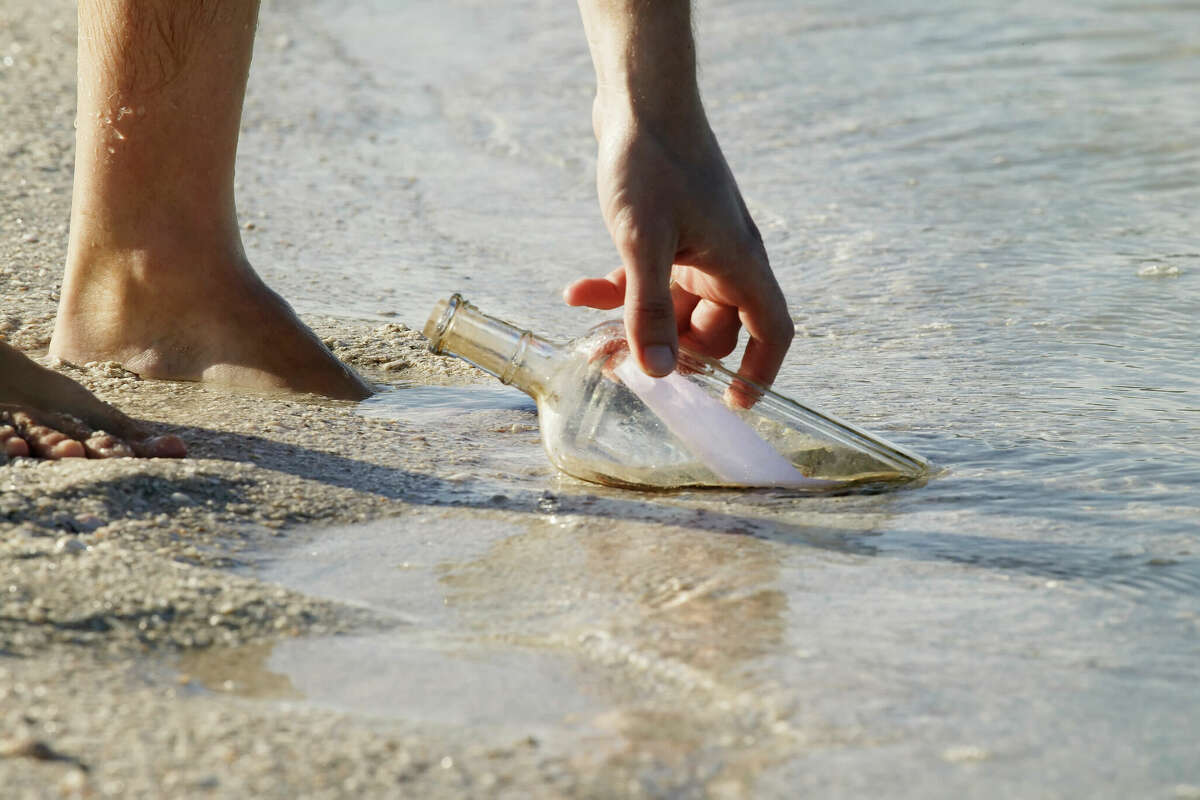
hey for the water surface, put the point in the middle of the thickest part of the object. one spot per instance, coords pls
(984, 217)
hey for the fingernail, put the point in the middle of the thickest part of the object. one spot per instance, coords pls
(658, 359)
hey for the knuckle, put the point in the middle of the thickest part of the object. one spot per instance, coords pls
(629, 234)
(784, 331)
(756, 236)
(787, 329)
(755, 252)
(633, 234)
(725, 344)
(655, 309)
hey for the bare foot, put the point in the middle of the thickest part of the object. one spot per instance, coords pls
(47, 415)
(176, 313)
(156, 276)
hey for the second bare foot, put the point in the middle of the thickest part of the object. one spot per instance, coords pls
(46, 415)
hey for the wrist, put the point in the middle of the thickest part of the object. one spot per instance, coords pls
(645, 62)
(666, 110)
(619, 116)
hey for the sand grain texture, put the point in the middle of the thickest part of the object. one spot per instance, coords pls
(113, 570)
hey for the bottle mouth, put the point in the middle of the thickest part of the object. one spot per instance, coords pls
(439, 321)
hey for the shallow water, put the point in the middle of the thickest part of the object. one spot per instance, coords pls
(985, 221)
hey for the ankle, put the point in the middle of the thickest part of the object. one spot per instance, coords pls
(151, 250)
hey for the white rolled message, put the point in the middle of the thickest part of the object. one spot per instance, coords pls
(715, 435)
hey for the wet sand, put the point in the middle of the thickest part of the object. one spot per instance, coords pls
(115, 571)
(135, 644)
(133, 636)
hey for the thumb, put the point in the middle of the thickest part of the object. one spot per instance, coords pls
(649, 310)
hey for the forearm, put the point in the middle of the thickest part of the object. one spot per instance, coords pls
(645, 59)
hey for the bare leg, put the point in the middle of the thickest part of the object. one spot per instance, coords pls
(48, 415)
(156, 276)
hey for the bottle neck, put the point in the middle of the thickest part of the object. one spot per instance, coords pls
(512, 354)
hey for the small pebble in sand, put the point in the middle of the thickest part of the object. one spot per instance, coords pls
(86, 523)
(73, 783)
(964, 754)
(69, 545)
(28, 748)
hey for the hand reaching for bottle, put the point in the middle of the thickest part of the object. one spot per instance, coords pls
(693, 262)
(693, 266)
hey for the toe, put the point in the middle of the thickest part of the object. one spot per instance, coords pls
(25, 432)
(11, 444)
(46, 442)
(105, 445)
(49, 443)
(67, 448)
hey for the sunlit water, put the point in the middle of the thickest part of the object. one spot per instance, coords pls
(985, 218)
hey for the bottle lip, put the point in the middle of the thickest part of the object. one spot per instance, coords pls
(443, 322)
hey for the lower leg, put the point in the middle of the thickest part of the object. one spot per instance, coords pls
(156, 276)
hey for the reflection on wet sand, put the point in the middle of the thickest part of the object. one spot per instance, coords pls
(637, 645)
(242, 671)
(673, 618)
(705, 600)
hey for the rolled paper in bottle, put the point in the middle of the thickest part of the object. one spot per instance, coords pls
(715, 435)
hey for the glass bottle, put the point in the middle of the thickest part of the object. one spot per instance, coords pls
(603, 420)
